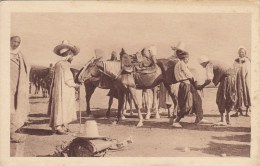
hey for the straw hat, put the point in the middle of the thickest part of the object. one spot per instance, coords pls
(90, 131)
(180, 46)
(65, 46)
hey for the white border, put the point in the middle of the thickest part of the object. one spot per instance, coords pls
(6, 8)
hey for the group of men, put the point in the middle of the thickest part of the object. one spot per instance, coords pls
(233, 89)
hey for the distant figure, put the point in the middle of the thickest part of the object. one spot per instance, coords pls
(113, 56)
(149, 56)
(19, 73)
(62, 106)
(225, 76)
(242, 68)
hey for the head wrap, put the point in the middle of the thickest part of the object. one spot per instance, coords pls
(203, 59)
(15, 51)
(182, 54)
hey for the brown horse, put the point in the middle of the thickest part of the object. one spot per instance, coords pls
(107, 74)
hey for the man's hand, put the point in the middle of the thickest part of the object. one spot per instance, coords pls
(77, 86)
(199, 87)
(207, 82)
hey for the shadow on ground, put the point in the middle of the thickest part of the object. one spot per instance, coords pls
(41, 132)
(239, 138)
(228, 149)
(232, 149)
(38, 115)
(100, 116)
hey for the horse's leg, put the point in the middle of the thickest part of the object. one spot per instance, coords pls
(110, 102)
(133, 93)
(174, 100)
(30, 88)
(120, 104)
(130, 104)
(89, 89)
(155, 103)
(124, 106)
(148, 104)
(36, 88)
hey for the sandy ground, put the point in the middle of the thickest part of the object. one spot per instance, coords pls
(155, 139)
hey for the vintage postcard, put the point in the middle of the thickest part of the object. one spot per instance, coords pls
(130, 83)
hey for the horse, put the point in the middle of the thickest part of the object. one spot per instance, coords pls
(98, 70)
(41, 78)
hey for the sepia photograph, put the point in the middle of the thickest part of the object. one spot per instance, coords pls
(111, 79)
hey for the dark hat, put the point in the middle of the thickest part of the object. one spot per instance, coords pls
(182, 54)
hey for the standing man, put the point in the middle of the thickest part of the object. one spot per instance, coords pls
(242, 68)
(19, 73)
(189, 100)
(62, 104)
(113, 56)
(225, 76)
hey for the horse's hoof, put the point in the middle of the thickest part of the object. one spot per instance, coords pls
(219, 124)
(157, 116)
(176, 125)
(140, 124)
(123, 118)
(203, 121)
(147, 116)
(171, 121)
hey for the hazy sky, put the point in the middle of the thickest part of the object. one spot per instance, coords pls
(215, 35)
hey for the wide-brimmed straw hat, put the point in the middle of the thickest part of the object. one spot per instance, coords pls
(65, 46)
(90, 131)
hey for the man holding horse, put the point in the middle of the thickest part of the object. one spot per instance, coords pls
(62, 104)
(189, 100)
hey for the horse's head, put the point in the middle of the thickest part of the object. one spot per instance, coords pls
(91, 70)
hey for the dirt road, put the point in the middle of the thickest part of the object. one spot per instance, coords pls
(155, 139)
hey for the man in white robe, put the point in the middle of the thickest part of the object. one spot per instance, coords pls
(19, 91)
(62, 105)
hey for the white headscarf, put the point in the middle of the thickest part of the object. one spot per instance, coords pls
(15, 51)
(203, 59)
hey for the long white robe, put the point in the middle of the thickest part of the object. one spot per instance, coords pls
(19, 77)
(62, 105)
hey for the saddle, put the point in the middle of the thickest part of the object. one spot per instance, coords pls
(137, 64)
